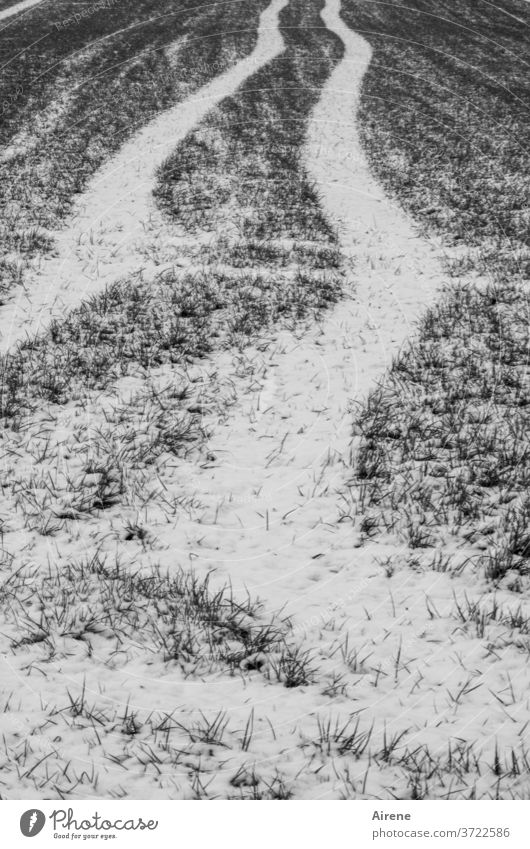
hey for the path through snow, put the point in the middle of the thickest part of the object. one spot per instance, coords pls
(277, 475)
(271, 486)
(283, 453)
(116, 216)
(276, 479)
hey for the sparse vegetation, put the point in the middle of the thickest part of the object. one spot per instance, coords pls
(444, 119)
(148, 668)
(109, 609)
(237, 166)
(444, 449)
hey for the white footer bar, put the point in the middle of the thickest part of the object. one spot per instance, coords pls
(264, 824)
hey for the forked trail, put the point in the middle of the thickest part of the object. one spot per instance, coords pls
(264, 506)
(278, 468)
(116, 216)
(283, 453)
(277, 473)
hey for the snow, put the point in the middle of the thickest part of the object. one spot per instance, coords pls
(271, 510)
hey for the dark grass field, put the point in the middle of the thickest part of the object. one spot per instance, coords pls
(445, 124)
(79, 89)
(35, 46)
(249, 148)
(445, 113)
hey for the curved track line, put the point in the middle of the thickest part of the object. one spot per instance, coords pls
(291, 441)
(117, 215)
(18, 7)
(400, 273)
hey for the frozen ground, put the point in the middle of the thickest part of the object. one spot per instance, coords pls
(385, 686)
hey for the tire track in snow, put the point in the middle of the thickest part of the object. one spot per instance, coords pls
(400, 272)
(284, 452)
(116, 216)
(279, 463)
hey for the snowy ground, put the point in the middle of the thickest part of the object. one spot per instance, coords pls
(402, 690)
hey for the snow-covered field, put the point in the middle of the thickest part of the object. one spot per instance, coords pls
(198, 599)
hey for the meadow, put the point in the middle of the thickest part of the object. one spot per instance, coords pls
(264, 512)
